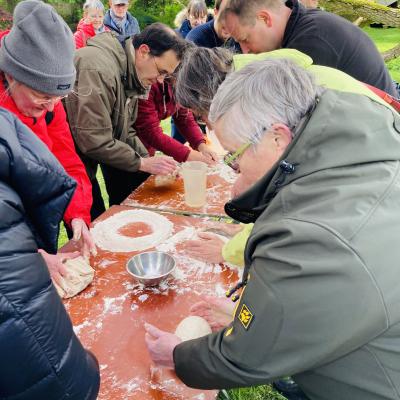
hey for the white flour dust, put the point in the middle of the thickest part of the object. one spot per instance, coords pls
(223, 171)
(106, 235)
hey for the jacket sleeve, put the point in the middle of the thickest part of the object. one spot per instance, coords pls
(149, 130)
(233, 250)
(89, 114)
(187, 126)
(64, 151)
(79, 37)
(304, 283)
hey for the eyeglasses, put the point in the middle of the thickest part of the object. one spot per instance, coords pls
(232, 159)
(163, 74)
(53, 100)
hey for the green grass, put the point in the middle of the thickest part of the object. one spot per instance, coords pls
(384, 39)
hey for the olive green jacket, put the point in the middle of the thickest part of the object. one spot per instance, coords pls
(103, 106)
(322, 302)
(233, 250)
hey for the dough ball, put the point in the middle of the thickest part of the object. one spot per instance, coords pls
(192, 327)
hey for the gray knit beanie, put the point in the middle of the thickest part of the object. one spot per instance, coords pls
(39, 50)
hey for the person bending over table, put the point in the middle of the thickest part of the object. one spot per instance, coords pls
(32, 83)
(41, 357)
(319, 297)
(160, 105)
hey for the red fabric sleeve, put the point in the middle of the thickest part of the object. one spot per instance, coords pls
(80, 41)
(64, 150)
(149, 130)
(188, 128)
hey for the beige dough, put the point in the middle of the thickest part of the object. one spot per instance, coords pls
(192, 327)
(165, 180)
(80, 275)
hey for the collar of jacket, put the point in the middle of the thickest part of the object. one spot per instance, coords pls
(342, 130)
(132, 84)
(297, 11)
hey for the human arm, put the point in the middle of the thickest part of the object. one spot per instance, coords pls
(90, 113)
(233, 250)
(290, 292)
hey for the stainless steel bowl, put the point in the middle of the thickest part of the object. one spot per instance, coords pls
(151, 268)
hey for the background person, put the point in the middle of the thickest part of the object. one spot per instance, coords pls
(36, 71)
(103, 109)
(120, 20)
(316, 201)
(41, 357)
(91, 24)
(194, 15)
(264, 25)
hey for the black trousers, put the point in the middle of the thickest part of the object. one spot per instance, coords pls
(119, 185)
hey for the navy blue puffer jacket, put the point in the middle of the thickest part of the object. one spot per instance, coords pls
(40, 356)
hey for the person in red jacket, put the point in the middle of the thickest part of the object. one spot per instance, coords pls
(36, 71)
(160, 105)
(91, 24)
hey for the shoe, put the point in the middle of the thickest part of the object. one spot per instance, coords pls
(289, 388)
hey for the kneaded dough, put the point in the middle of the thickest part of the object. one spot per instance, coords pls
(80, 275)
(192, 327)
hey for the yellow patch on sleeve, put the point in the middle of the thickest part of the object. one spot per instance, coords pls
(245, 316)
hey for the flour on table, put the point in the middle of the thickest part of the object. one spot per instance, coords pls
(224, 171)
(107, 237)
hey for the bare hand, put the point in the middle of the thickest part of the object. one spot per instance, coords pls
(217, 311)
(159, 165)
(228, 229)
(82, 235)
(197, 156)
(208, 153)
(161, 345)
(55, 264)
(208, 248)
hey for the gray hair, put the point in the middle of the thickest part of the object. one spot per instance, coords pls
(96, 4)
(261, 94)
(200, 74)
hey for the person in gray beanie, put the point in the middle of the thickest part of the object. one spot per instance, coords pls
(36, 71)
(37, 50)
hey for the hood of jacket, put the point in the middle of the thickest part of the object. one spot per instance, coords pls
(342, 131)
(28, 168)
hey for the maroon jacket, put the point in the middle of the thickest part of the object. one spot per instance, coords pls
(161, 105)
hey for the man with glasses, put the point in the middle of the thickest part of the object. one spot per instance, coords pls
(102, 111)
(120, 20)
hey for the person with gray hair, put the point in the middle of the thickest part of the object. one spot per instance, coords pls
(91, 23)
(120, 20)
(318, 297)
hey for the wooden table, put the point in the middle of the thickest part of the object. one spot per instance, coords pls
(171, 198)
(108, 316)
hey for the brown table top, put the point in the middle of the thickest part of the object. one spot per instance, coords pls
(108, 316)
(171, 198)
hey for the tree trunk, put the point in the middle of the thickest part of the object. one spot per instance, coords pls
(369, 10)
(392, 53)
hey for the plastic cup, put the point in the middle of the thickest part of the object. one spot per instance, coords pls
(194, 175)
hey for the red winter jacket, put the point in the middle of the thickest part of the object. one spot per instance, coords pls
(84, 32)
(161, 105)
(57, 136)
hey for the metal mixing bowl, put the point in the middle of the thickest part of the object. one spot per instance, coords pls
(151, 268)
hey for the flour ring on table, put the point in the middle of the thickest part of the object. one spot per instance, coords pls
(192, 327)
(106, 236)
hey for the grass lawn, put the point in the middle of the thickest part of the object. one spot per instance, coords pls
(384, 39)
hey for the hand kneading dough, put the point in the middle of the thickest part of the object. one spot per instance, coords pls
(80, 275)
(192, 327)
